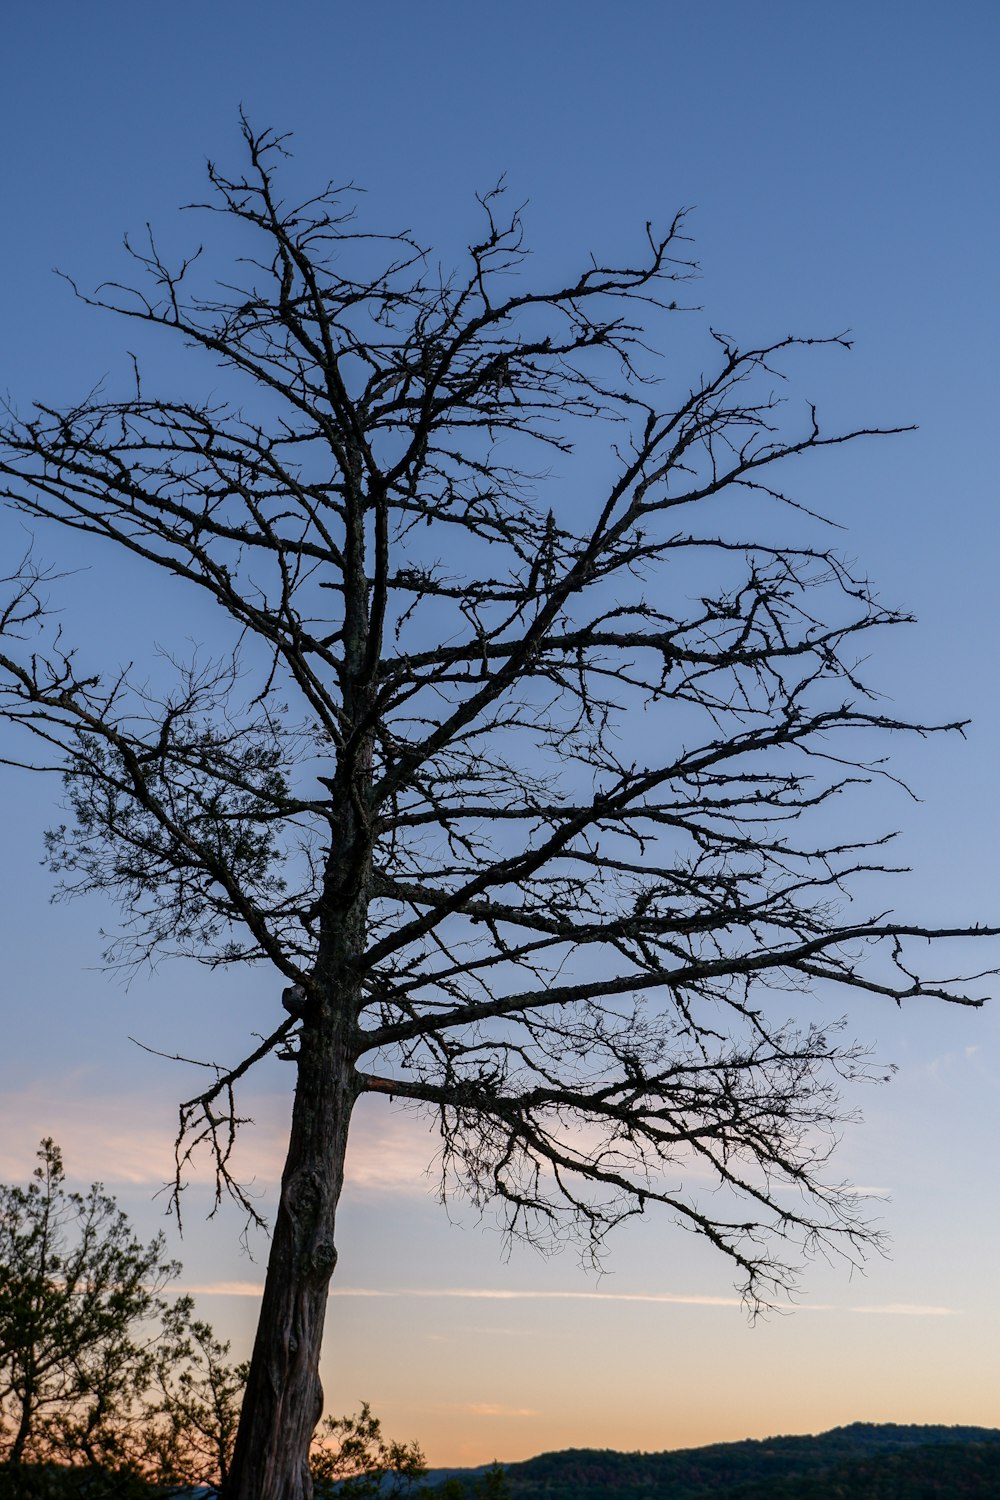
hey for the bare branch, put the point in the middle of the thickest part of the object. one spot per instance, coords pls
(531, 775)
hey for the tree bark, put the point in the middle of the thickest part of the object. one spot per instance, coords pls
(284, 1397)
(19, 1444)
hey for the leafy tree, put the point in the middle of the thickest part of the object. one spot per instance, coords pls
(517, 769)
(99, 1371)
(79, 1299)
(191, 1413)
(491, 1485)
(350, 1457)
(494, 1484)
(57, 1482)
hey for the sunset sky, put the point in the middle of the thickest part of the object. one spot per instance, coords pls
(840, 162)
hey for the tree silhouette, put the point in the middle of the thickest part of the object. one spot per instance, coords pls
(519, 760)
(80, 1320)
(351, 1457)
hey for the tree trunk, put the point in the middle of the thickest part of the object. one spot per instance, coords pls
(284, 1397)
(20, 1442)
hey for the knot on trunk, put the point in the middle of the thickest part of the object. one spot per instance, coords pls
(295, 1000)
(324, 1258)
(303, 1198)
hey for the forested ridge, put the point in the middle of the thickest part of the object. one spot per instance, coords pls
(865, 1461)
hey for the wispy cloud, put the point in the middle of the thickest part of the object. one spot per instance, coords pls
(906, 1310)
(126, 1138)
(216, 1289)
(491, 1409)
(119, 1138)
(390, 1151)
(506, 1294)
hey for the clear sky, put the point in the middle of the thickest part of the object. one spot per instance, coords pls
(841, 161)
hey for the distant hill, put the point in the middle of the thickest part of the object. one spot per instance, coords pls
(866, 1461)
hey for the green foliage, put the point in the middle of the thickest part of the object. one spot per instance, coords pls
(52, 1482)
(191, 1416)
(351, 1457)
(862, 1462)
(79, 1298)
(220, 786)
(108, 1390)
(104, 1385)
(946, 1472)
(492, 1485)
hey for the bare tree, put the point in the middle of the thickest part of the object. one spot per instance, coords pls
(528, 802)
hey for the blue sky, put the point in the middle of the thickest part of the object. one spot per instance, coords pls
(840, 162)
